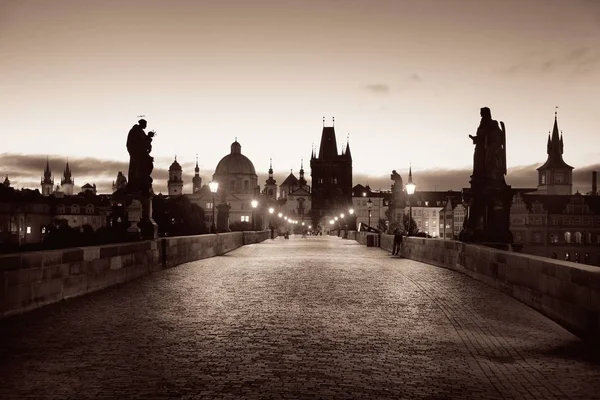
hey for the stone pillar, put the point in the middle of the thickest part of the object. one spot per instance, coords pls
(147, 225)
(223, 217)
(489, 212)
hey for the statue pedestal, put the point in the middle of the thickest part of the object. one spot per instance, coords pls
(489, 212)
(148, 228)
(134, 215)
(223, 217)
(139, 214)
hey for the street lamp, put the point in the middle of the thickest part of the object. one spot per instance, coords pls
(369, 205)
(254, 204)
(214, 186)
(271, 211)
(410, 189)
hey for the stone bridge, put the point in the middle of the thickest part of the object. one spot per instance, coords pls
(320, 317)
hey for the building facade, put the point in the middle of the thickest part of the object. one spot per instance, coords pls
(553, 222)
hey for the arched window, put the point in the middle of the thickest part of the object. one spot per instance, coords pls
(568, 238)
(577, 237)
(75, 209)
(588, 238)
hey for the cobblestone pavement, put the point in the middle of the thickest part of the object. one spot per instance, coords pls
(301, 318)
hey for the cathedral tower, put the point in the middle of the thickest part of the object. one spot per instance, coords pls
(47, 182)
(331, 178)
(196, 180)
(67, 182)
(555, 176)
(175, 182)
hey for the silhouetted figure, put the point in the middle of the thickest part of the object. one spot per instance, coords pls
(489, 158)
(397, 241)
(141, 164)
(489, 197)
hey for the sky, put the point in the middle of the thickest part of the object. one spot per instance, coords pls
(404, 79)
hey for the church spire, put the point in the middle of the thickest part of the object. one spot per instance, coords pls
(347, 153)
(271, 180)
(197, 169)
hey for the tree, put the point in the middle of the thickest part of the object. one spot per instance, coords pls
(240, 226)
(412, 230)
(382, 225)
(178, 216)
(61, 235)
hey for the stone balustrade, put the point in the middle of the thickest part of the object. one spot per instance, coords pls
(33, 279)
(566, 292)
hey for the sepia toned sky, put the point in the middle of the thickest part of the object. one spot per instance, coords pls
(404, 78)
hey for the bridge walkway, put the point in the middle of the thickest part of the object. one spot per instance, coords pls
(320, 317)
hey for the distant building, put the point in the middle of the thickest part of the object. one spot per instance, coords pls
(432, 213)
(270, 190)
(552, 222)
(87, 188)
(175, 182)
(555, 176)
(331, 179)
(47, 181)
(24, 216)
(196, 180)
(238, 186)
(67, 183)
(380, 201)
(120, 182)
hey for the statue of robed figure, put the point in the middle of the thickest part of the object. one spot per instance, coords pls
(489, 159)
(489, 197)
(138, 196)
(141, 164)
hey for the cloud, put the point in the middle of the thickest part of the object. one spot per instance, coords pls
(27, 170)
(415, 78)
(378, 88)
(581, 60)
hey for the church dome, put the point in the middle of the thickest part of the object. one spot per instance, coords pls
(175, 166)
(235, 162)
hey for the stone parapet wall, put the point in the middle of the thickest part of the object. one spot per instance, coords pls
(31, 280)
(567, 292)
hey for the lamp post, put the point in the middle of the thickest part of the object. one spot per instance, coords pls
(214, 186)
(410, 189)
(254, 204)
(351, 212)
(271, 211)
(369, 205)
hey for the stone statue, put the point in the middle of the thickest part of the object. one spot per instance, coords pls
(489, 158)
(489, 197)
(141, 164)
(495, 153)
